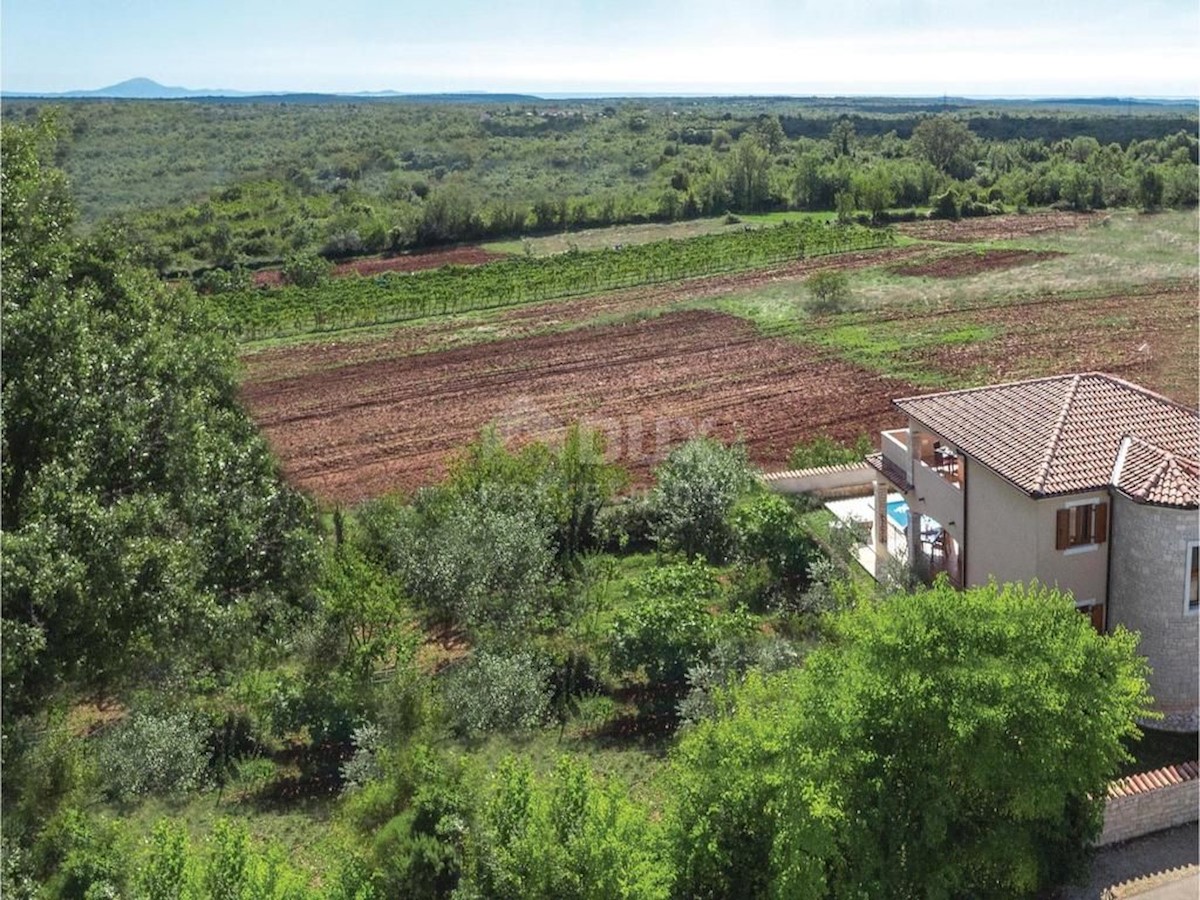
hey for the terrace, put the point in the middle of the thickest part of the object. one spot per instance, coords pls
(938, 550)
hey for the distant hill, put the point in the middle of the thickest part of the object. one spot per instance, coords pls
(148, 89)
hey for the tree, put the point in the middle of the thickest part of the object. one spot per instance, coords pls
(767, 531)
(145, 523)
(305, 269)
(1150, 189)
(570, 836)
(874, 190)
(698, 484)
(943, 140)
(749, 169)
(725, 780)
(828, 292)
(669, 624)
(841, 135)
(475, 562)
(941, 744)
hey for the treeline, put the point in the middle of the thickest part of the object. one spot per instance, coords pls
(210, 184)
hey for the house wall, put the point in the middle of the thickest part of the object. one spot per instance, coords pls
(1149, 571)
(1011, 537)
(1002, 525)
(1081, 570)
(852, 479)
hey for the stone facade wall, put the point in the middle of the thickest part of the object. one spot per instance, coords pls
(1132, 815)
(1146, 594)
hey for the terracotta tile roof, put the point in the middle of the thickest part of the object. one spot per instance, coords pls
(1146, 473)
(1057, 435)
(1144, 782)
(892, 472)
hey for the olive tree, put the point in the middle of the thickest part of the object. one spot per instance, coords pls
(698, 485)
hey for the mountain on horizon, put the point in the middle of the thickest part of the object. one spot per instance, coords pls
(148, 89)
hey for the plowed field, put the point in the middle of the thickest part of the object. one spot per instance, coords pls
(405, 262)
(960, 265)
(362, 430)
(995, 228)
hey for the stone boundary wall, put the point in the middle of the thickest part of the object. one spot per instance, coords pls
(848, 480)
(1151, 801)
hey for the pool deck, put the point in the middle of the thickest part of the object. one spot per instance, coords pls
(862, 509)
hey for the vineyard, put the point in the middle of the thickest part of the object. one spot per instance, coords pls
(395, 297)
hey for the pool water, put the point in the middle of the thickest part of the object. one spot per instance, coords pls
(897, 511)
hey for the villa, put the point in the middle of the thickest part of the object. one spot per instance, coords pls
(1086, 482)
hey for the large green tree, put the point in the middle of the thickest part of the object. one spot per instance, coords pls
(942, 744)
(145, 524)
(944, 141)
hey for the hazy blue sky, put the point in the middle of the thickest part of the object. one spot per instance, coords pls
(998, 47)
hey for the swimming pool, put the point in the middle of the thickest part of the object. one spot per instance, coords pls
(897, 511)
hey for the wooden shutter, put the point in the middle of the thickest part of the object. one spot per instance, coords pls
(1062, 530)
(1100, 529)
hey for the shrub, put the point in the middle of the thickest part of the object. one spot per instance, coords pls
(698, 484)
(823, 450)
(486, 568)
(222, 281)
(828, 292)
(669, 624)
(945, 205)
(363, 766)
(566, 836)
(493, 692)
(305, 269)
(767, 529)
(627, 526)
(151, 753)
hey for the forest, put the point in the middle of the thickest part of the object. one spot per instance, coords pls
(196, 185)
(532, 679)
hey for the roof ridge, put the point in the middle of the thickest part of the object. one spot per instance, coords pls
(1122, 382)
(1043, 472)
(1188, 462)
(984, 387)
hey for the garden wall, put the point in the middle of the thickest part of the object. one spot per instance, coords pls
(1151, 801)
(846, 480)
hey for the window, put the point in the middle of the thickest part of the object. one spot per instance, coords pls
(1192, 585)
(1081, 524)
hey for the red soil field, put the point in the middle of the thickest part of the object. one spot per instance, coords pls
(358, 431)
(960, 265)
(1149, 338)
(407, 262)
(994, 228)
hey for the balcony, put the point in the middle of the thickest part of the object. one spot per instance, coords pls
(940, 459)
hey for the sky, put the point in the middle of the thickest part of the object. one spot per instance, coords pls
(1010, 48)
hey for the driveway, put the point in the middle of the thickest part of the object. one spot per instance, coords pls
(1162, 866)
